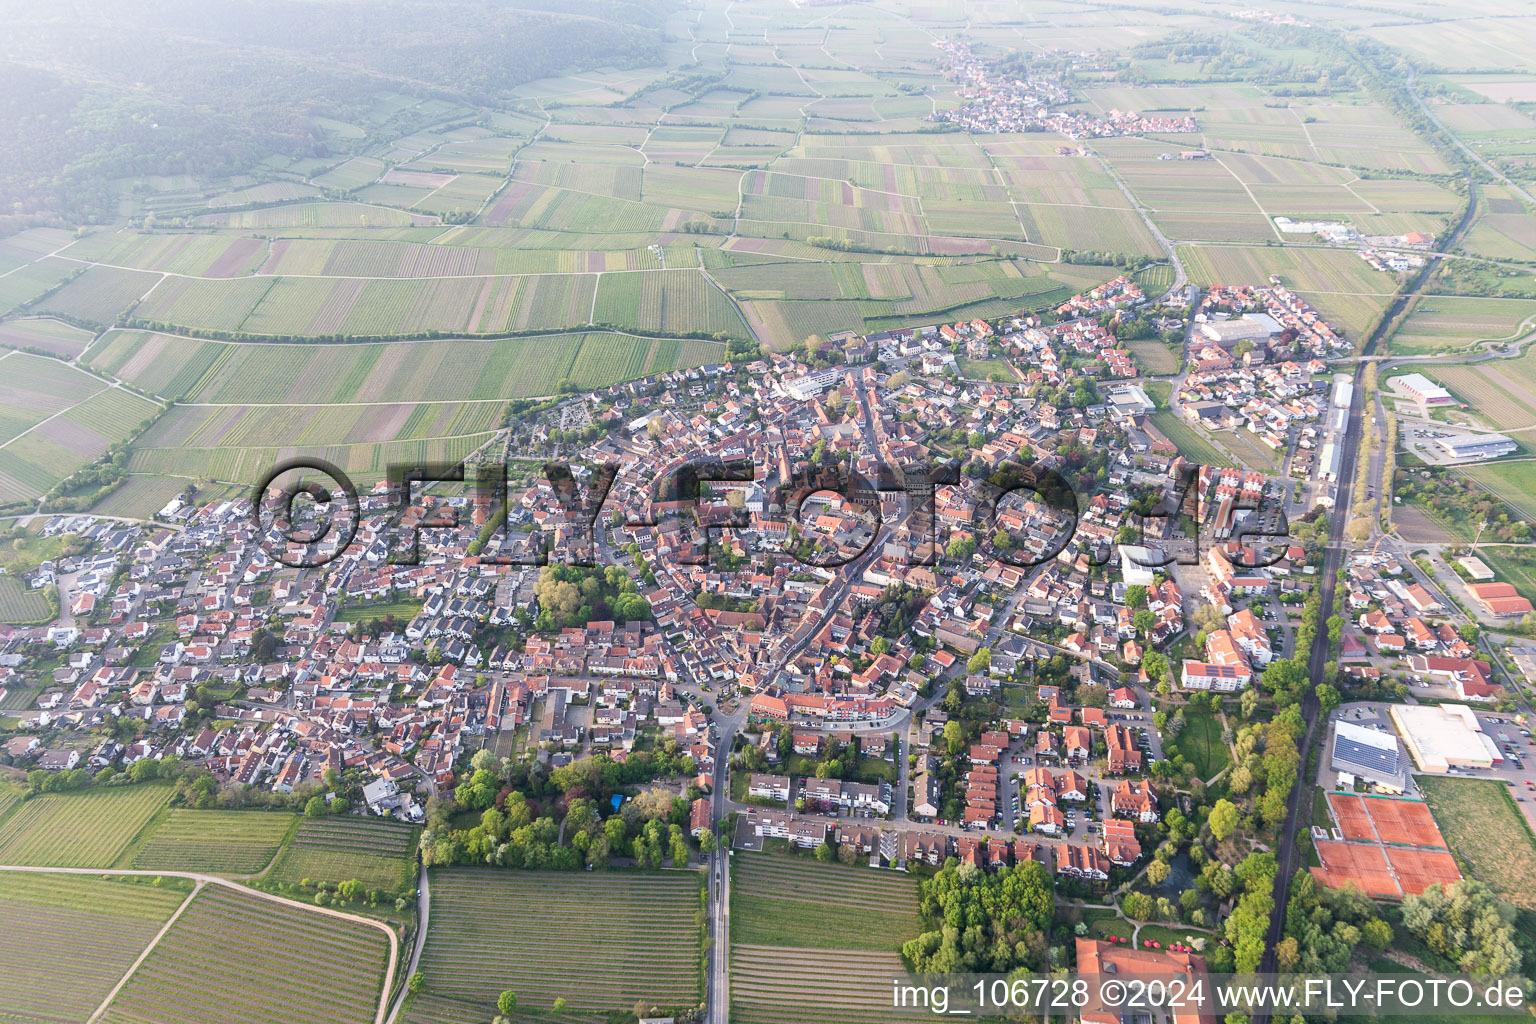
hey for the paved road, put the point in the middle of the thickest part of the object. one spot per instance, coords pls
(423, 913)
(718, 867)
(380, 1014)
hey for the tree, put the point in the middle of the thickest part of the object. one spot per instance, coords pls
(980, 662)
(825, 853)
(1223, 818)
(417, 982)
(707, 842)
(954, 736)
(1143, 620)
(1249, 702)
(315, 807)
(1328, 697)
(506, 1003)
(1135, 596)
(1158, 872)
(879, 645)
(559, 1006)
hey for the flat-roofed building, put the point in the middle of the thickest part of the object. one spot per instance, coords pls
(1254, 327)
(1476, 446)
(1444, 737)
(1369, 753)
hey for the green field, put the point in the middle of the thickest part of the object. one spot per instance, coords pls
(815, 942)
(96, 926)
(779, 901)
(226, 842)
(376, 852)
(1514, 482)
(600, 941)
(1490, 836)
(403, 611)
(79, 830)
(21, 605)
(1445, 323)
(1190, 439)
(437, 371)
(275, 964)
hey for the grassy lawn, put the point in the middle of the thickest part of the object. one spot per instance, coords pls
(28, 552)
(403, 611)
(983, 369)
(1200, 743)
(1159, 391)
(1489, 834)
(1320, 816)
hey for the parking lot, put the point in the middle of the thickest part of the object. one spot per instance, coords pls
(1516, 746)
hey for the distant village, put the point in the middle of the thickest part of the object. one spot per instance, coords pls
(994, 100)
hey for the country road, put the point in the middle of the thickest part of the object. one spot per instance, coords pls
(423, 913)
(380, 1015)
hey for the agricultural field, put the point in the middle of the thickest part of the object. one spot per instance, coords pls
(139, 497)
(666, 302)
(55, 337)
(275, 964)
(99, 295)
(21, 605)
(79, 830)
(1191, 440)
(376, 852)
(54, 419)
(1489, 834)
(792, 917)
(224, 842)
(97, 926)
(466, 370)
(1441, 323)
(600, 941)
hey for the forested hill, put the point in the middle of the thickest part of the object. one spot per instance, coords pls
(104, 89)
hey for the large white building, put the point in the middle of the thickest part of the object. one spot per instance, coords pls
(813, 384)
(1476, 446)
(1416, 385)
(1444, 737)
(1255, 327)
(1137, 564)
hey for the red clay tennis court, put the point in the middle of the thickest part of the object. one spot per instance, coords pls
(1349, 811)
(1364, 865)
(1404, 821)
(1417, 870)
